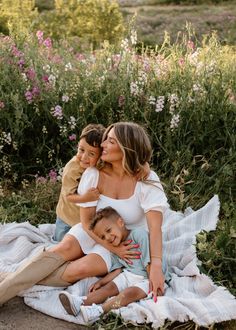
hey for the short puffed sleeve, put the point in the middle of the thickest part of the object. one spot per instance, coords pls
(89, 179)
(152, 195)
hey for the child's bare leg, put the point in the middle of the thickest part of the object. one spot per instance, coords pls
(124, 298)
(100, 295)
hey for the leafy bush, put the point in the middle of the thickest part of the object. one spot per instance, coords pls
(87, 22)
(91, 21)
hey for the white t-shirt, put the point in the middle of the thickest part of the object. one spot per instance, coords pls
(146, 197)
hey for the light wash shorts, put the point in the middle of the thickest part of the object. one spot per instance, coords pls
(62, 228)
(127, 279)
(88, 245)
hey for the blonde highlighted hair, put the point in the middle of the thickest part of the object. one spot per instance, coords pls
(134, 143)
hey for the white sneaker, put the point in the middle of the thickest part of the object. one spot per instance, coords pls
(71, 302)
(91, 313)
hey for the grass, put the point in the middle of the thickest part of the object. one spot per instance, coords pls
(154, 18)
(152, 21)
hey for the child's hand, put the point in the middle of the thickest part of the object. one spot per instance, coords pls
(143, 173)
(91, 195)
(97, 285)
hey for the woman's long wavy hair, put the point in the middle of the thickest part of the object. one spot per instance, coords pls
(134, 143)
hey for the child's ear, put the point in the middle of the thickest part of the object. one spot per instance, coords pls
(120, 222)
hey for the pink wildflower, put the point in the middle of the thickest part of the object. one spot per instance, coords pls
(80, 57)
(29, 96)
(53, 176)
(181, 61)
(31, 73)
(190, 44)
(39, 35)
(57, 112)
(45, 79)
(48, 43)
(16, 52)
(72, 137)
(2, 105)
(40, 179)
(35, 91)
(21, 63)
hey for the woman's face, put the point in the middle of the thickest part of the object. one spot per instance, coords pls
(111, 149)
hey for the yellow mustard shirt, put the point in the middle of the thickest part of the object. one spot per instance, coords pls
(66, 211)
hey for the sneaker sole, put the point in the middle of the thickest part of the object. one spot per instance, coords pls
(85, 316)
(66, 304)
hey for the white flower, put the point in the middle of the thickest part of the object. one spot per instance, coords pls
(174, 122)
(160, 103)
(133, 37)
(72, 122)
(65, 98)
(174, 102)
(142, 78)
(44, 130)
(196, 87)
(6, 137)
(193, 58)
(134, 89)
(68, 67)
(125, 44)
(24, 77)
(152, 100)
(52, 79)
(46, 68)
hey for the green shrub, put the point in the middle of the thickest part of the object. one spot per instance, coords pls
(87, 22)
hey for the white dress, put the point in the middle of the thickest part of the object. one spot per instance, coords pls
(146, 197)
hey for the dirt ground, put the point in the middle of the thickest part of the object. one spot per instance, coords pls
(16, 315)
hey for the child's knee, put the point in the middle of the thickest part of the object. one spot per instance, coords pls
(134, 293)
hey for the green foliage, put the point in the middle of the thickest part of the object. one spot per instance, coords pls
(216, 251)
(17, 15)
(87, 22)
(34, 202)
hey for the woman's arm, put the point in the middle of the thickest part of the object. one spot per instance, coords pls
(156, 277)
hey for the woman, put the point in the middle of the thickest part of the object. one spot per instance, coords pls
(126, 150)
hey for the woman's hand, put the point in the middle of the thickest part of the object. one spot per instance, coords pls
(126, 251)
(156, 279)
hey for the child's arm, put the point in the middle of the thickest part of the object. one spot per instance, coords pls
(91, 195)
(106, 279)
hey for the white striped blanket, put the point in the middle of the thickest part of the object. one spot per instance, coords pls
(190, 295)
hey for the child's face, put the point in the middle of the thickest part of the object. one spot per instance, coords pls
(87, 155)
(110, 230)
